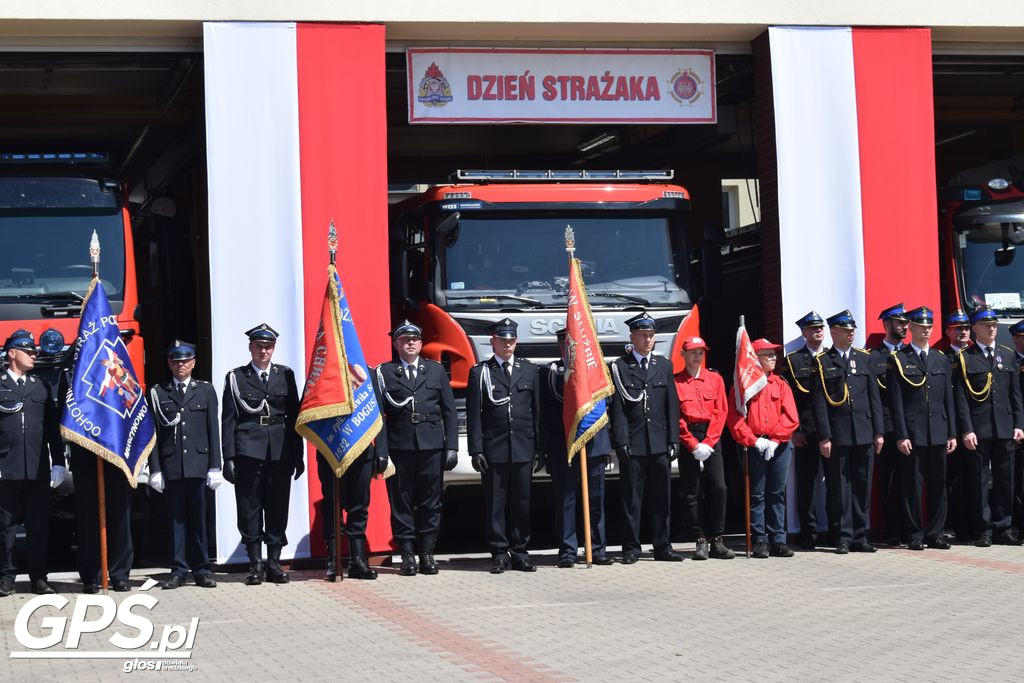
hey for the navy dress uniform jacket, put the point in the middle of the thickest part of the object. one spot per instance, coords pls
(503, 432)
(998, 414)
(647, 427)
(552, 385)
(859, 418)
(29, 426)
(801, 372)
(880, 368)
(190, 448)
(435, 424)
(270, 434)
(921, 397)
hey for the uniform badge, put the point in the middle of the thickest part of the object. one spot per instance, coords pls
(853, 366)
(434, 90)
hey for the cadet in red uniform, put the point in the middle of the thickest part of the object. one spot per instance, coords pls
(765, 432)
(702, 413)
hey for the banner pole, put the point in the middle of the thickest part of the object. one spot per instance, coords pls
(101, 492)
(746, 474)
(588, 546)
(339, 574)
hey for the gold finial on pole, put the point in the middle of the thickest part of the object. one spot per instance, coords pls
(570, 241)
(332, 241)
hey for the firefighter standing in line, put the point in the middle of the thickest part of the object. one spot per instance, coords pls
(261, 451)
(186, 461)
(764, 433)
(32, 461)
(920, 394)
(1017, 334)
(702, 413)
(888, 462)
(564, 478)
(848, 414)
(800, 371)
(957, 337)
(990, 419)
(418, 406)
(644, 415)
(502, 414)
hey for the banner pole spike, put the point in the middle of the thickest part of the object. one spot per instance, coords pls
(94, 254)
(332, 242)
(570, 242)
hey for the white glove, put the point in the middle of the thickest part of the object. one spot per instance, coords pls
(58, 473)
(770, 452)
(156, 481)
(214, 479)
(702, 452)
(762, 445)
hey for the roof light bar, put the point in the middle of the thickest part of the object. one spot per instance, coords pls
(565, 175)
(53, 157)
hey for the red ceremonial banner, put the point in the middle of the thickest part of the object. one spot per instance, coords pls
(328, 391)
(748, 376)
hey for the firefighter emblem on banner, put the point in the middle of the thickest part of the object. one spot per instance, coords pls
(686, 87)
(434, 90)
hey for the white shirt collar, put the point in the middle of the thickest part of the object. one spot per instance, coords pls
(917, 349)
(15, 376)
(892, 347)
(501, 363)
(812, 351)
(640, 358)
(415, 362)
(984, 349)
(258, 371)
(187, 381)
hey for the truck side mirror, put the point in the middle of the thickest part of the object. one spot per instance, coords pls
(1004, 256)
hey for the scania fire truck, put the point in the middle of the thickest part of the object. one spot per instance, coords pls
(491, 245)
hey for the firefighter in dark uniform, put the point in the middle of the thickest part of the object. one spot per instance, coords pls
(31, 461)
(990, 419)
(422, 425)
(262, 451)
(1017, 334)
(800, 369)
(502, 413)
(848, 414)
(186, 461)
(354, 500)
(920, 394)
(888, 462)
(565, 477)
(957, 337)
(644, 414)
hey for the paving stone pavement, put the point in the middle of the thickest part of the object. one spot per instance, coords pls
(895, 615)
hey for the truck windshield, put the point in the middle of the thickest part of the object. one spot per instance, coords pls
(1001, 287)
(520, 261)
(44, 260)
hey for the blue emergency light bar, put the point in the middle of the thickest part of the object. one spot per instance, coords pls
(53, 157)
(563, 175)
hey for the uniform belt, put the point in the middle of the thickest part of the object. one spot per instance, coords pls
(415, 418)
(266, 420)
(698, 429)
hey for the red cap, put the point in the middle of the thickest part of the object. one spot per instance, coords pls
(695, 343)
(765, 345)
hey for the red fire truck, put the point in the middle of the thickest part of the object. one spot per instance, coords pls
(980, 228)
(49, 207)
(491, 245)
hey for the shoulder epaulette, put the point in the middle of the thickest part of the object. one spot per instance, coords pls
(429, 360)
(1006, 348)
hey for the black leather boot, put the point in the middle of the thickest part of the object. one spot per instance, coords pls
(331, 573)
(427, 563)
(256, 569)
(357, 566)
(408, 567)
(275, 574)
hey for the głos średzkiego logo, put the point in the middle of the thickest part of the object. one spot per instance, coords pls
(434, 90)
(62, 636)
(686, 86)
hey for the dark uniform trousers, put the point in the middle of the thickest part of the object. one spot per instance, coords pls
(956, 502)
(264, 454)
(416, 443)
(120, 551)
(185, 452)
(801, 371)
(648, 426)
(703, 492)
(508, 435)
(889, 462)
(353, 494)
(565, 481)
(992, 417)
(1018, 465)
(29, 438)
(921, 405)
(851, 427)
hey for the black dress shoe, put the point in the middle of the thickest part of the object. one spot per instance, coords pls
(808, 541)
(916, 544)
(668, 556)
(985, 540)
(90, 588)
(120, 585)
(566, 563)
(523, 566)
(603, 560)
(428, 565)
(842, 549)
(939, 543)
(41, 587)
(702, 549)
(629, 558)
(760, 550)
(780, 550)
(6, 586)
(1008, 538)
(498, 565)
(408, 567)
(862, 547)
(205, 581)
(174, 582)
(893, 541)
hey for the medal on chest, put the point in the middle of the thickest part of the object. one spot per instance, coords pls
(853, 366)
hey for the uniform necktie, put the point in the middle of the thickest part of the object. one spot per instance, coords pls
(181, 389)
(508, 369)
(923, 355)
(412, 372)
(643, 364)
(264, 376)
(21, 381)
(988, 355)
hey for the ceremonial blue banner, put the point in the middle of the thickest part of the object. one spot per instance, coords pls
(105, 409)
(340, 439)
(591, 418)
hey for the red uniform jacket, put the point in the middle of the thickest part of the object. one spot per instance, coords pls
(771, 414)
(701, 399)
